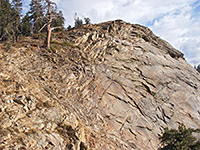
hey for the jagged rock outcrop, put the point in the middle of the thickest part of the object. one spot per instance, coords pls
(112, 85)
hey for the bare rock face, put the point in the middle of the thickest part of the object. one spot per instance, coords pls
(112, 85)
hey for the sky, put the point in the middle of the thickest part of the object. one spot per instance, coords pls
(176, 21)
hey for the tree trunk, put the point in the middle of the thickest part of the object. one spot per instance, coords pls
(48, 37)
(49, 26)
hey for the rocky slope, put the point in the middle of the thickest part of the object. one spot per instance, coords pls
(108, 86)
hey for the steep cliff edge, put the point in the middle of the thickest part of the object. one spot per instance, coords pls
(112, 85)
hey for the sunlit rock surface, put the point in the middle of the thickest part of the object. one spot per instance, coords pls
(109, 86)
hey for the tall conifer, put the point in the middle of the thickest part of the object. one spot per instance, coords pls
(26, 25)
(5, 19)
(17, 8)
(36, 15)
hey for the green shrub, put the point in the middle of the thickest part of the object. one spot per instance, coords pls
(43, 36)
(180, 139)
(36, 36)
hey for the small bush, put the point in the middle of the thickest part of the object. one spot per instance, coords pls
(43, 36)
(69, 27)
(36, 36)
(39, 36)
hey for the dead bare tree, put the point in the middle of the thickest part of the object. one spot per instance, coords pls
(50, 14)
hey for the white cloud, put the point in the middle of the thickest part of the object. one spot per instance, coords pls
(131, 10)
(172, 20)
(181, 29)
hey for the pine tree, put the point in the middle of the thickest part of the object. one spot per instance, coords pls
(180, 139)
(17, 8)
(6, 13)
(36, 15)
(77, 20)
(10, 19)
(59, 21)
(87, 20)
(26, 25)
